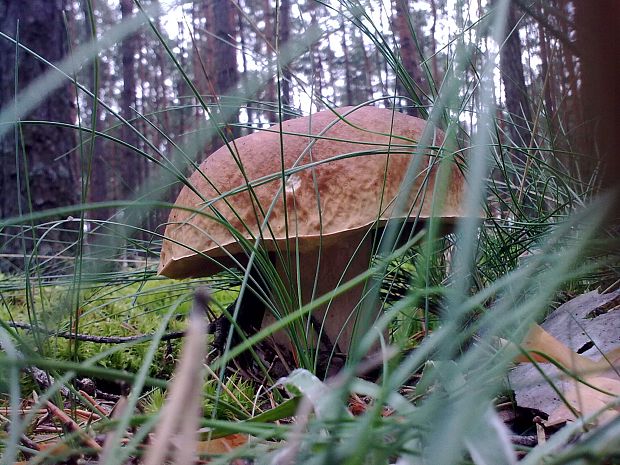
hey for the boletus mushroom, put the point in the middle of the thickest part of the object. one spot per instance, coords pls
(318, 184)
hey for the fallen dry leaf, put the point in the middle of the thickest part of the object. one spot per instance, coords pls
(222, 445)
(542, 346)
(588, 323)
(585, 400)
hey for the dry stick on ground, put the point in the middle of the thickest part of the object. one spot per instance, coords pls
(29, 443)
(104, 339)
(73, 426)
(93, 403)
(43, 379)
(84, 414)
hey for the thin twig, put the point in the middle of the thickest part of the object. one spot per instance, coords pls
(527, 441)
(73, 426)
(104, 339)
(43, 379)
(94, 403)
(30, 444)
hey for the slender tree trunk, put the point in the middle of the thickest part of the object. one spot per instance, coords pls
(181, 88)
(183, 121)
(284, 29)
(160, 73)
(517, 102)
(574, 111)
(97, 188)
(368, 71)
(36, 171)
(347, 64)
(545, 68)
(408, 53)
(244, 63)
(317, 68)
(199, 51)
(434, 63)
(127, 165)
(222, 55)
(269, 33)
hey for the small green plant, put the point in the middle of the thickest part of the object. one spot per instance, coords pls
(233, 391)
(154, 401)
(218, 396)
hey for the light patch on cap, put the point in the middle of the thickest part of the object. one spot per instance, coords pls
(293, 182)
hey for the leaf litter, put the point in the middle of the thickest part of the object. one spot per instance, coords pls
(576, 362)
(576, 351)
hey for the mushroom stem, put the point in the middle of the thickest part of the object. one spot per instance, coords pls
(320, 273)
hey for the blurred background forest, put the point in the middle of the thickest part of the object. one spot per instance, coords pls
(254, 63)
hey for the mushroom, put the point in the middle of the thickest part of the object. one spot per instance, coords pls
(318, 185)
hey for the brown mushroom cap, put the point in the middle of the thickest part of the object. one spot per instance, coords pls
(325, 202)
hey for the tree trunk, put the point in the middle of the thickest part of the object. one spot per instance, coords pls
(127, 166)
(408, 53)
(317, 67)
(224, 60)
(598, 45)
(36, 170)
(244, 68)
(348, 78)
(284, 29)
(98, 180)
(511, 66)
(269, 18)
(368, 71)
(547, 75)
(434, 44)
(221, 54)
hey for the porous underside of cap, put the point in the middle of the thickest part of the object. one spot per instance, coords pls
(337, 180)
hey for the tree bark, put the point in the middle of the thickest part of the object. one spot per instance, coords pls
(284, 30)
(434, 44)
(269, 18)
(408, 53)
(36, 167)
(98, 180)
(317, 67)
(599, 48)
(546, 68)
(348, 78)
(127, 167)
(511, 66)
(221, 56)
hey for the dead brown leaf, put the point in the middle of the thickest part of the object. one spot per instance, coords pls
(589, 387)
(222, 445)
(585, 400)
